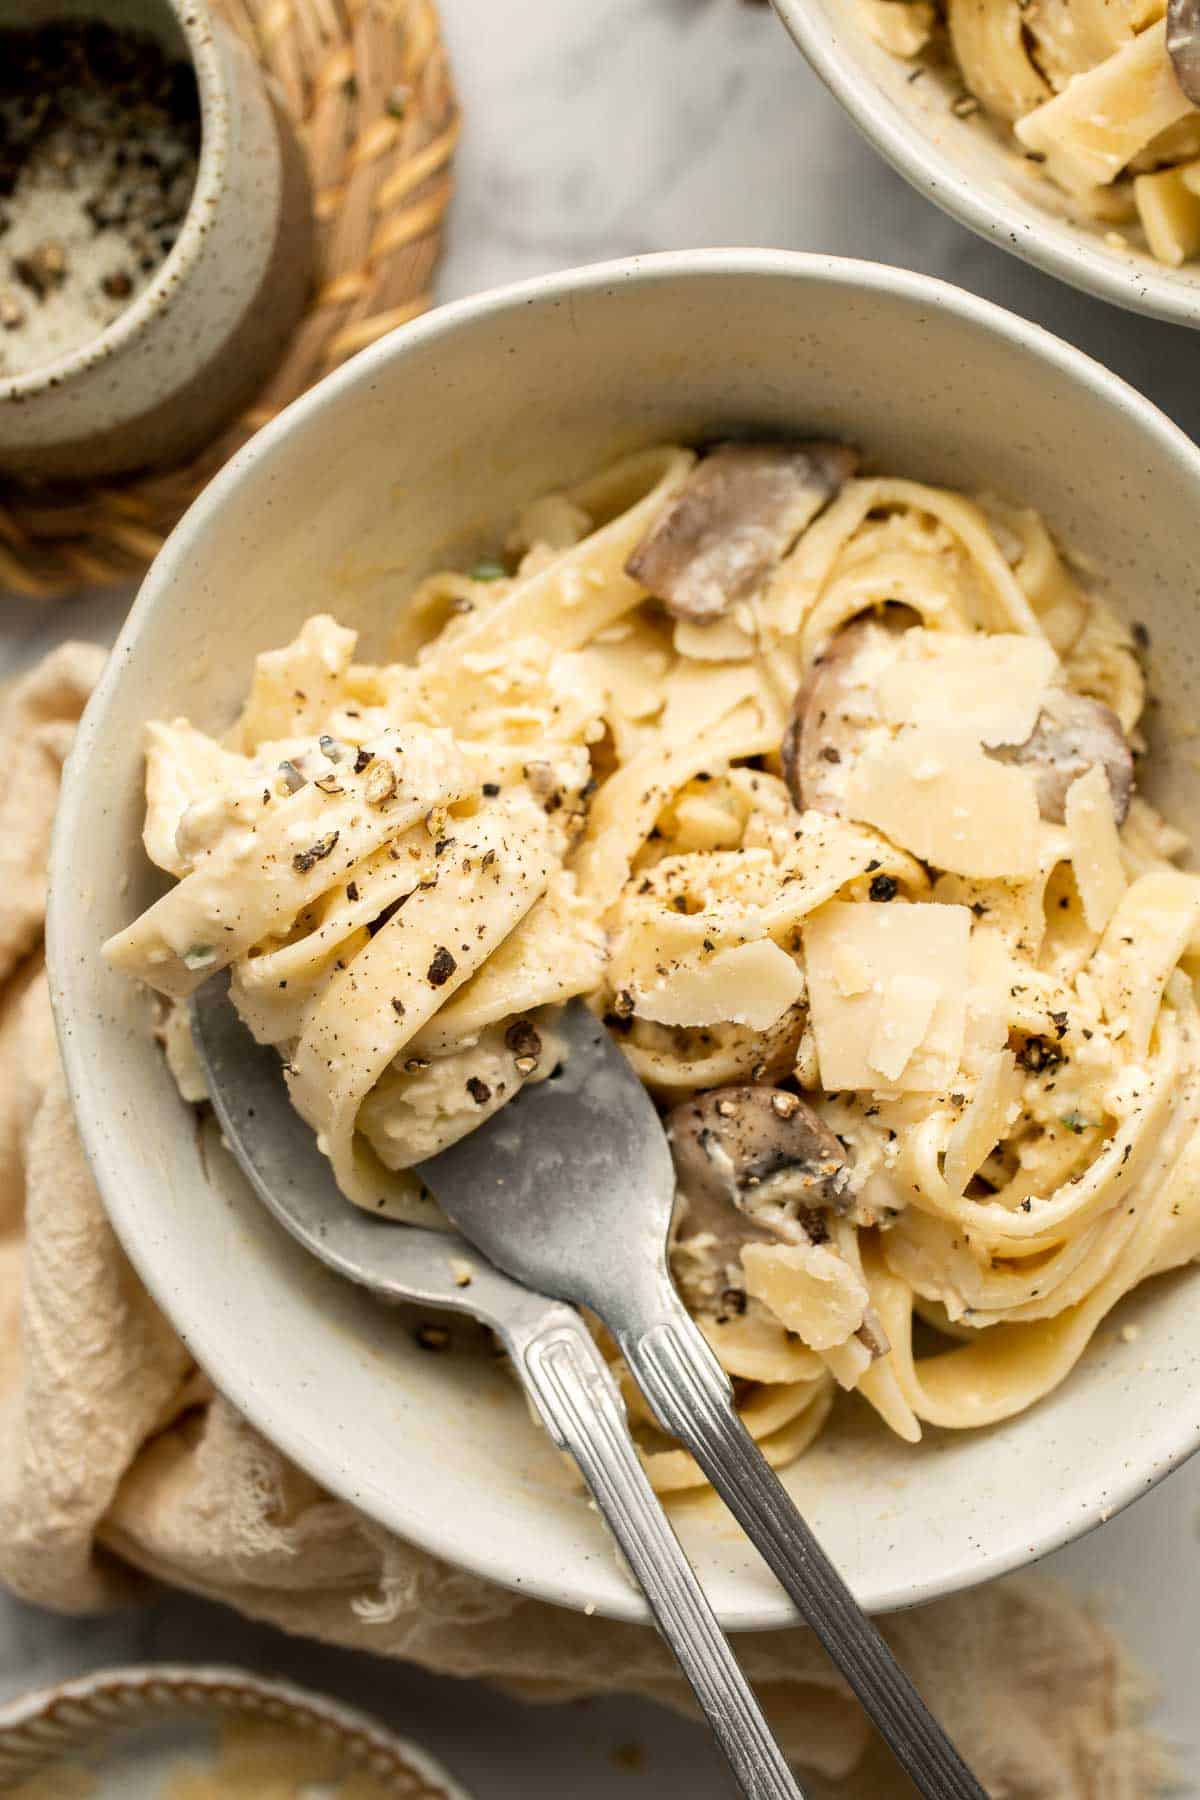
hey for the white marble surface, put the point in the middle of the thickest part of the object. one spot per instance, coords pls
(599, 130)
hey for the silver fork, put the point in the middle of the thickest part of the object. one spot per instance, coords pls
(561, 1367)
(570, 1188)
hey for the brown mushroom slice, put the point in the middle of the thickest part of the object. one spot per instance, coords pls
(1073, 734)
(832, 707)
(760, 1152)
(739, 510)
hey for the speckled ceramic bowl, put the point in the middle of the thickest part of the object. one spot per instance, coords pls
(421, 449)
(963, 166)
(130, 1725)
(199, 339)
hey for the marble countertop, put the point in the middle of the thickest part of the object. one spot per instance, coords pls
(601, 130)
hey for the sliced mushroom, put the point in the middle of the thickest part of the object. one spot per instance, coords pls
(753, 1165)
(736, 515)
(1183, 45)
(831, 709)
(1073, 734)
(763, 1151)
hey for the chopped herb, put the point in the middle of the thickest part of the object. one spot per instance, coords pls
(199, 956)
(1075, 1122)
(488, 569)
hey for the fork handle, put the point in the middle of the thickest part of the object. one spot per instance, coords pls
(569, 1381)
(691, 1396)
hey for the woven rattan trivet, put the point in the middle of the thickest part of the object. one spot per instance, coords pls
(368, 85)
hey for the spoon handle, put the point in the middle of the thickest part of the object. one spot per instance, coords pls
(569, 1381)
(690, 1394)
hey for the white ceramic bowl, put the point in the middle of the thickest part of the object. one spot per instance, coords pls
(412, 453)
(963, 167)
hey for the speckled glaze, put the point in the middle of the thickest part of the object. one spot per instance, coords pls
(79, 1717)
(422, 448)
(963, 166)
(199, 339)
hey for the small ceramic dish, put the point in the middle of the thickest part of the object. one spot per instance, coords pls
(419, 452)
(963, 166)
(198, 340)
(118, 1730)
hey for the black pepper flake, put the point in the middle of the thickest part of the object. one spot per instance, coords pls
(479, 1091)
(830, 754)
(872, 865)
(361, 761)
(884, 887)
(523, 1038)
(398, 1007)
(352, 891)
(1061, 1022)
(488, 859)
(441, 968)
(1038, 1054)
(389, 912)
(304, 860)
(734, 1300)
(491, 789)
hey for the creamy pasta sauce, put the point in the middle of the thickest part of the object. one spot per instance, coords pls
(820, 788)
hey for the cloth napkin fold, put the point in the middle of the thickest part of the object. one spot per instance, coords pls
(118, 1460)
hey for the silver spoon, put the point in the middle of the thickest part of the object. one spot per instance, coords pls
(560, 1365)
(570, 1188)
(1183, 45)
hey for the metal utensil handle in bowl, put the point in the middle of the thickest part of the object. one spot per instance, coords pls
(691, 1397)
(570, 1383)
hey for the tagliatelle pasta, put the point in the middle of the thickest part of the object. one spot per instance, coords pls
(819, 789)
(1084, 92)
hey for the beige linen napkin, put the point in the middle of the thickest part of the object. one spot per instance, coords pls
(115, 1456)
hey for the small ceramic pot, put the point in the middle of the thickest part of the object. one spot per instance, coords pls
(111, 1708)
(200, 338)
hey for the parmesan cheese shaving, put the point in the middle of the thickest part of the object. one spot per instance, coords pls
(1095, 847)
(989, 684)
(936, 794)
(905, 1012)
(810, 1289)
(749, 984)
(926, 944)
(985, 1120)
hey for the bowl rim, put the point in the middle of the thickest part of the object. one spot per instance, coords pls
(207, 1342)
(1141, 286)
(54, 1721)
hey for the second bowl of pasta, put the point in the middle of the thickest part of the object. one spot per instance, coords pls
(1057, 130)
(668, 635)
